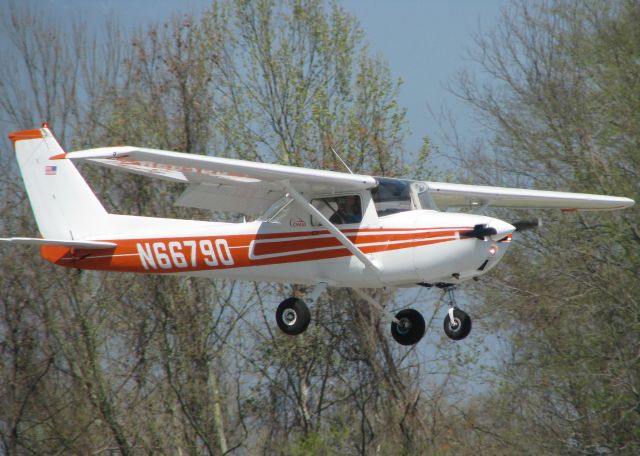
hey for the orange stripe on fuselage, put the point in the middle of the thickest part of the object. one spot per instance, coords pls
(284, 245)
(171, 255)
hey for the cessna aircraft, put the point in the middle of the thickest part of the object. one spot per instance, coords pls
(314, 227)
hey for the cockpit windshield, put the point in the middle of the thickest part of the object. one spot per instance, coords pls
(392, 196)
(399, 195)
(421, 189)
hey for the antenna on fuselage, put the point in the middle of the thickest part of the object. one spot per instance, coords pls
(341, 160)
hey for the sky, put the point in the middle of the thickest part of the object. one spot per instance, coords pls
(425, 43)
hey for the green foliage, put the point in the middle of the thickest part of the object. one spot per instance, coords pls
(566, 116)
(319, 444)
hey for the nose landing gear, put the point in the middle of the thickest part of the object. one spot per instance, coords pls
(457, 324)
(458, 327)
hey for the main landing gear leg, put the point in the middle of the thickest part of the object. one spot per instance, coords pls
(316, 292)
(457, 324)
(407, 327)
(293, 316)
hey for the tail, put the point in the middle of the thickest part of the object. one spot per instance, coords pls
(63, 204)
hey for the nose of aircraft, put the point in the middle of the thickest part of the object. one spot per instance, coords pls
(502, 228)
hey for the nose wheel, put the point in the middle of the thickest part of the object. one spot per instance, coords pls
(458, 327)
(457, 324)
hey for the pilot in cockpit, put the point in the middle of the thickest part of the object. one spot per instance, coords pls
(349, 210)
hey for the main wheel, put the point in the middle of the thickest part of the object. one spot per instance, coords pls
(461, 326)
(293, 316)
(410, 327)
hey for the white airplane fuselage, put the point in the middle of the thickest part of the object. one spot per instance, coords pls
(420, 246)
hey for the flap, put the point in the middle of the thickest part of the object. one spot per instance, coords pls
(249, 200)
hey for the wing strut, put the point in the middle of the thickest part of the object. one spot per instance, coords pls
(344, 240)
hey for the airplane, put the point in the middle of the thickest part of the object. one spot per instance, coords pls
(312, 227)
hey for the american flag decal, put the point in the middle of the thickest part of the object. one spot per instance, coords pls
(50, 170)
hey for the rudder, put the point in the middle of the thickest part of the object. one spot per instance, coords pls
(63, 204)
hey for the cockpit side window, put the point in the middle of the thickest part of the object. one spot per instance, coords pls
(340, 210)
(391, 196)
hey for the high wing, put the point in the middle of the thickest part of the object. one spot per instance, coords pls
(446, 195)
(222, 184)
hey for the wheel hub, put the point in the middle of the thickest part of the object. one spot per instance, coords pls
(404, 326)
(289, 317)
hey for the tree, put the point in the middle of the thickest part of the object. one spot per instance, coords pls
(563, 108)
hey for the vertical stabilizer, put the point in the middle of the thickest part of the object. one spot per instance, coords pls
(63, 204)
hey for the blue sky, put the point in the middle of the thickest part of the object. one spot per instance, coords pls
(425, 43)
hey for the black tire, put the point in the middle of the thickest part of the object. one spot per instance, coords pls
(461, 329)
(293, 316)
(411, 329)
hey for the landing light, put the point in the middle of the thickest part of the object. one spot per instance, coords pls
(493, 250)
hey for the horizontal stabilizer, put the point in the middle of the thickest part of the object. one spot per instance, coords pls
(62, 242)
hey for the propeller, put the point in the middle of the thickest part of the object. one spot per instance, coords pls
(524, 225)
(480, 231)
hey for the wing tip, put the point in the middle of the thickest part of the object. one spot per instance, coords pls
(628, 202)
(616, 203)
